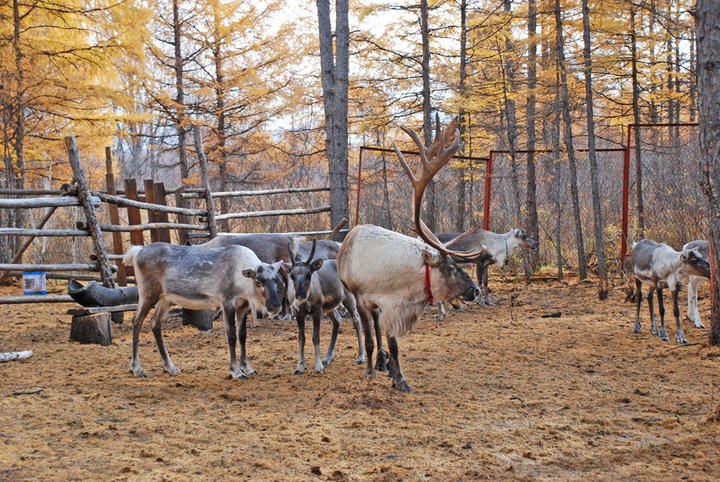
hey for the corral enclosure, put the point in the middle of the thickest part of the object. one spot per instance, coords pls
(500, 392)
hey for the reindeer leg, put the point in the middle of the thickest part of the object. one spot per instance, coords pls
(679, 335)
(381, 364)
(234, 373)
(441, 311)
(693, 314)
(351, 307)
(661, 305)
(653, 325)
(300, 316)
(161, 310)
(144, 306)
(638, 289)
(241, 316)
(317, 313)
(369, 342)
(486, 277)
(399, 382)
(479, 272)
(330, 355)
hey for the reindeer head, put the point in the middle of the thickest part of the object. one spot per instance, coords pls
(269, 286)
(456, 284)
(301, 275)
(695, 264)
(526, 242)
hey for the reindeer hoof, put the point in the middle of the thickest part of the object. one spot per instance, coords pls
(663, 335)
(402, 386)
(299, 370)
(138, 372)
(381, 364)
(636, 329)
(360, 360)
(682, 340)
(236, 375)
(328, 360)
(248, 370)
(172, 370)
(369, 375)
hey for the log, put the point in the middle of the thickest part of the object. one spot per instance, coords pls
(43, 232)
(114, 215)
(17, 300)
(200, 319)
(152, 226)
(94, 294)
(94, 328)
(261, 192)
(278, 212)
(101, 309)
(15, 355)
(30, 192)
(129, 203)
(50, 267)
(45, 202)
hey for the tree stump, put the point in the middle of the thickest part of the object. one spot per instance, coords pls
(93, 328)
(200, 319)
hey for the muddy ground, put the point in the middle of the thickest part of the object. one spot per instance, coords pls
(500, 393)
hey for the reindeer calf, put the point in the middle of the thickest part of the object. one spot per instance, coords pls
(315, 288)
(660, 267)
(199, 278)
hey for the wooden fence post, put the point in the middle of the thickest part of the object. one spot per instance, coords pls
(152, 216)
(114, 216)
(160, 198)
(84, 195)
(136, 237)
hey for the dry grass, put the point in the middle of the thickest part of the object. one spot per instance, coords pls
(499, 394)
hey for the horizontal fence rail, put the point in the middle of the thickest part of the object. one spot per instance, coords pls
(277, 212)
(42, 232)
(45, 202)
(262, 192)
(124, 202)
(50, 267)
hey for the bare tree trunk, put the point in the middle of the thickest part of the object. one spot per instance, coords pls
(20, 101)
(531, 223)
(461, 184)
(558, 180)
(334, 76)
(220, 151)
(430, 207)
(594, 182)
(567, 121)
(693, 84)
(636, 116)
(180, 92)
(708, 69)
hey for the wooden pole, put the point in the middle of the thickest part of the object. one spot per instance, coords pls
(28, 242)
(181, 202)
(84, 195)
(129, 201)
(162, 217)
(212, 224)
(45, 202)
(152, 215)
(136, 237)
(114, 216)
(277, 212)
(51, 267)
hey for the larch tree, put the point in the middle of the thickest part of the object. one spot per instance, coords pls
(707, 18)
(335, 65)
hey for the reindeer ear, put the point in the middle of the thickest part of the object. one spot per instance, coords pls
(286, 267)
(684, 257)
(249, 273)
(433, 259)
(316, 265)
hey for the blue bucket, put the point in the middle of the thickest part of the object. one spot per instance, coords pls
(34, 283)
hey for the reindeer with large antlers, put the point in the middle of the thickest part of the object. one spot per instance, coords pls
(400, 274)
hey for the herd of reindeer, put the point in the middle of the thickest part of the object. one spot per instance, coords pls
(384, 279)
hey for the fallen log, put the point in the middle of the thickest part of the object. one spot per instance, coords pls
(95, 294)
(15, 355)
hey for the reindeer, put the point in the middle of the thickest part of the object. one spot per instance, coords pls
(693, 314)
(660, 267)
(269, 248)
(315, 288)
(199, 278)
(500, 246)
(400, 274)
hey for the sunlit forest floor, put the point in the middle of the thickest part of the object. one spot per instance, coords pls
(500, 393)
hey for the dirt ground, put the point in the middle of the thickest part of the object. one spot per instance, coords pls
(499, 393)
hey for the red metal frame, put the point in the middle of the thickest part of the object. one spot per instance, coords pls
(626, 183)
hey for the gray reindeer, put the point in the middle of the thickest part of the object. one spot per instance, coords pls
(315, 288)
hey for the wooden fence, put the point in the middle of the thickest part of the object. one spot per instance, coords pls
(190, 223)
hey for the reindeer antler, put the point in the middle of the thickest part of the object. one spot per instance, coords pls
(432, 159)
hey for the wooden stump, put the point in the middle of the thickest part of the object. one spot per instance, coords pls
(200, 319)
(92, 328)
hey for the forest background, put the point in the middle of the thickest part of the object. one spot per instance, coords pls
(138, 75)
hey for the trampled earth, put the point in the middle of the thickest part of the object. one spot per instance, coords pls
(499, 393)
